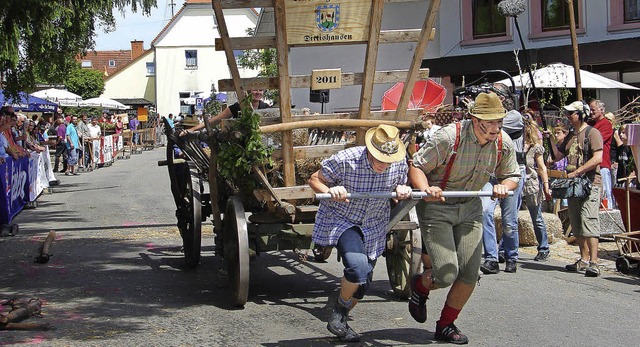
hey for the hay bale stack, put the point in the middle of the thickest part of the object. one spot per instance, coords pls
(525, 227)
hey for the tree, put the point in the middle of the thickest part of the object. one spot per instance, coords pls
(87, 83)
(40, 39)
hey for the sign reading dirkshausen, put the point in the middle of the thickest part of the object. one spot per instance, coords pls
(327, 21)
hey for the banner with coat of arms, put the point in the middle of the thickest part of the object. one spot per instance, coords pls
(327, 21)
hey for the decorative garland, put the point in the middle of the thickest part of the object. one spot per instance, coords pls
(237, 157)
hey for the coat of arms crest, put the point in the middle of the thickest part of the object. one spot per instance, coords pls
(328, 17)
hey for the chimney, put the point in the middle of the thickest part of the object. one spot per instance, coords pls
(137, 48)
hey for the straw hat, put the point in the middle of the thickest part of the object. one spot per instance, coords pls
(190, 121)
(384, 143)
(488, 106)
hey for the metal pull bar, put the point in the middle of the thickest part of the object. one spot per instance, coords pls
(416, 195)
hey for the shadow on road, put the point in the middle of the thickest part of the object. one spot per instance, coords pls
(386, 337)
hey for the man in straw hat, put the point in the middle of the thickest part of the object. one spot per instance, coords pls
(358, 228)
(461, 156)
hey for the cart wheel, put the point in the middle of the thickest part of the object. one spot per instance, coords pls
(236, 250)
(192, 231)
(623, 265)
(403, 258)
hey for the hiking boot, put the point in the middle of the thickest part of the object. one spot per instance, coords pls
(417, 301)
(490, 267)
(511, 266)
(542, 256)
(593, 270)
(451, 334)
(578, 266)
(350, 336)
(337, 324)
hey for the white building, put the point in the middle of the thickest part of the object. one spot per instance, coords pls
(186, 62)
(136, 80)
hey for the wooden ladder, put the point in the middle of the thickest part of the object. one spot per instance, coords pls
(283, 82)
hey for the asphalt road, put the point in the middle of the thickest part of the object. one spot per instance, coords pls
(117, 279)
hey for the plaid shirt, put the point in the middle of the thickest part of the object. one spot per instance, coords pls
(351, 169)
(474, 164)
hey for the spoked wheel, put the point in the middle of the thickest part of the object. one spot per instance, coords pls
(403, 257)
(236, 250)
(191, 230)
(186, 186)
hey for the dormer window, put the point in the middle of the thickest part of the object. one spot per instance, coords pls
(86, 64)
(112, 63)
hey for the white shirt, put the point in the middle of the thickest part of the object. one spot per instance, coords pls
(94, 130)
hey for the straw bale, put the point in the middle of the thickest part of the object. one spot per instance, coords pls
(525, 227)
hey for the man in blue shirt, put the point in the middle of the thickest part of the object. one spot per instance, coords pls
(73, 147)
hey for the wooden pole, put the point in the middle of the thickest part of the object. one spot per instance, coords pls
(574, 43)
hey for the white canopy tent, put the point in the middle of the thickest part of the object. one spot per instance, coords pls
(559, 75)
(103, 103)
(62, 97)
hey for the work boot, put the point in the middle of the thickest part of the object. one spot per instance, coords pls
(417, 301)
(511, 266)
(337, 324)
(490, 267)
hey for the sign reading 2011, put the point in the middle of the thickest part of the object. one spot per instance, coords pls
(327, 21)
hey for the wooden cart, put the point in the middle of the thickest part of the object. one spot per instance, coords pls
(283, 219)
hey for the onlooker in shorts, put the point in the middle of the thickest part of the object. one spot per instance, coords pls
(583, 150)
(73, 146)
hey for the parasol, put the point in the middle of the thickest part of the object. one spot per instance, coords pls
(425, 94)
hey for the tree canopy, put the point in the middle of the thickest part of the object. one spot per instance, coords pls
(39, 40)
(87, 83)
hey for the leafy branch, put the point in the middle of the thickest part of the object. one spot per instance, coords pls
(237, 157)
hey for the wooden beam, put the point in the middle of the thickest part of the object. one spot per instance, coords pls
(316, 151)
(230, 4)
(304, 81)
(340, 124)
(411, 115)
(263, 42)
(228, 50)
(418, 56)
(371, 58)
(286, 193)
(284, 93)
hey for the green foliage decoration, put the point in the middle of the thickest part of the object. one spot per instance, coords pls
(237, 157)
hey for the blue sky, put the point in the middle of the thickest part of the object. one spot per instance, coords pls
(135, 26)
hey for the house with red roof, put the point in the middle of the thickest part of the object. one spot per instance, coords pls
(181, 63)
(186, 62)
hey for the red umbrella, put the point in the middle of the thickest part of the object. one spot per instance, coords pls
(426, 94)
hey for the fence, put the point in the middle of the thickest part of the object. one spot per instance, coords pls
(22, 180)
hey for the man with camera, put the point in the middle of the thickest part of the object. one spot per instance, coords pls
(583, 149)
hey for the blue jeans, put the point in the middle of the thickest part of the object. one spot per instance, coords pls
(539, 228)
(606, 186)
(358, 268)
(510, 237)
